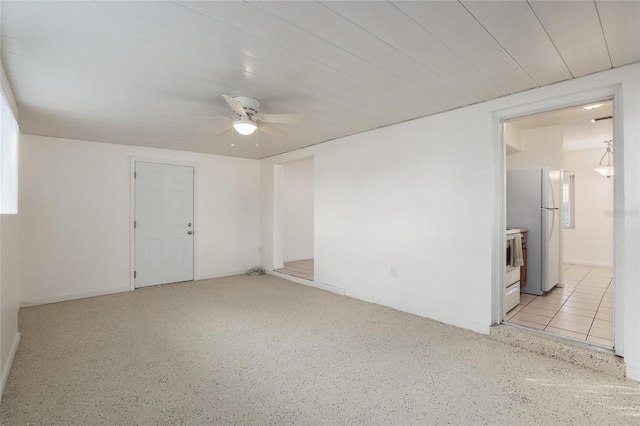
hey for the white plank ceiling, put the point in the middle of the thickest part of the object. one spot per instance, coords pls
(118, 71)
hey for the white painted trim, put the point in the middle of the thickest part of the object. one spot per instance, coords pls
(399, 306)
(633, 373)
(7, 366)
(123, 289)
(74, 296)
(603, 265)
(421, 312)
(278, 217)
(612, 92)
(298, 259)
(132, 215)
(500, 220)
(132, 200)
(316, 284)
(220, 275)
(619, 234)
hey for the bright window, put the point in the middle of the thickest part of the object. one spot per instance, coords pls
(568, 200)
(9, 134)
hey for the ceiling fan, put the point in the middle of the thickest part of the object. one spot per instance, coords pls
(250, 119)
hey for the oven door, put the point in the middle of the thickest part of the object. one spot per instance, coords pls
(508, 248)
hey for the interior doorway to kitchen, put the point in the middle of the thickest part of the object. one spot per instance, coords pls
(567, 278)
(295, 217)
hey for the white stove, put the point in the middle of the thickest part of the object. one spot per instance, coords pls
(512, 273)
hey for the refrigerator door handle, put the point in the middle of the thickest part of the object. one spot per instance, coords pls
(553, 195)
(553, 207)
(553, 218)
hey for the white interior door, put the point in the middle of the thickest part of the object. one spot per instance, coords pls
(163, 227)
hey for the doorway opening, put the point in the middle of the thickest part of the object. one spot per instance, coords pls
(560, 223)
(295, 218)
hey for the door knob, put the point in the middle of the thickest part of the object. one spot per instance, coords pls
(190, 232)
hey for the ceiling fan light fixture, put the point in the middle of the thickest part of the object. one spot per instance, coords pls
(244, 127)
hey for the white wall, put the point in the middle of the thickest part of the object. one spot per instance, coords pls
(298, 194)
(420, 196)
(591, 242)
(9, 243)
(512, 138)
(75, 216)
(541, 146)
(389, 198)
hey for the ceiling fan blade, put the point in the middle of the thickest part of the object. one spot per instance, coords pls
(198, 116)
(273, 131)
(235, 105)
(227, 130)
(284, 118)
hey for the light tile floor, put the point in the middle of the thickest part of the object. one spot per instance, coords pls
(583, 309)
(301, 269)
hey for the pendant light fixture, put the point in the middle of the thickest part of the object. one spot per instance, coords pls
(606, 171)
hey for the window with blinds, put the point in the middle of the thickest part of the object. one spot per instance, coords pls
(569, 200)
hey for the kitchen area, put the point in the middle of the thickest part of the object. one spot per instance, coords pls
(551, 283)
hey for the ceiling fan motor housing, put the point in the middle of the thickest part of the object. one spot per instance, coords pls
(250, 105)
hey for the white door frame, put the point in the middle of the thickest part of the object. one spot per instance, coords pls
(613, 93)
(132, 200)
(278, 216)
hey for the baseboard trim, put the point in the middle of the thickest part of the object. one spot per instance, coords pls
(425, 313)
(632, 372)
(600, 265)
(298, 259)
(316, 284)
(67, 297)
(7, 367)
(220, 275)
(399, 306)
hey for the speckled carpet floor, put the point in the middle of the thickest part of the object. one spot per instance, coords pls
(262, 350)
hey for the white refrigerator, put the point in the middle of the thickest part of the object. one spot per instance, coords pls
(533, 202)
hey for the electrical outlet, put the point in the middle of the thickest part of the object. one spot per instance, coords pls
(394, 272)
